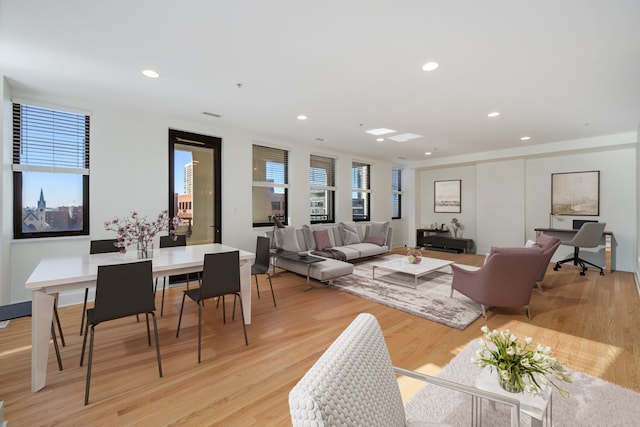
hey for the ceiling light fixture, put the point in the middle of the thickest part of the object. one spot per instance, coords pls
(379, 131)
(302, 117)
(380, 139)
(321, 139)
(428, 153)
(151, 74)
(404, 137)
(430, 66)
(493, 114)
(525, 138)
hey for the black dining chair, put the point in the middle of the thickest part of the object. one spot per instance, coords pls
(261, 263)
(97, 247)
(169, 242)
(220, 277)
(122, 290)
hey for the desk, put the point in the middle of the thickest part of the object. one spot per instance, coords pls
(608, 237)
(53, 275)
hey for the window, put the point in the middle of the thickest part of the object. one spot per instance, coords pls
(396, 193)
(50, 172)
(322, 181)
(361, 191)
(270, 185)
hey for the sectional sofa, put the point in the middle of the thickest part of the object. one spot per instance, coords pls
(336, 243)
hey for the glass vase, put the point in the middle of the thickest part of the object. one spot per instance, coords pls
(510, 384)
(145, 250)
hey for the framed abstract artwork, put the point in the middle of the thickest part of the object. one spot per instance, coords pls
(447, 196)
(575, 193)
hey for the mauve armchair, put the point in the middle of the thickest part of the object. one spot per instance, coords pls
(549, 245)
(505, 280)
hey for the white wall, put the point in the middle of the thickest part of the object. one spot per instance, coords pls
(512, 197)
(468, 208)
(129, 171)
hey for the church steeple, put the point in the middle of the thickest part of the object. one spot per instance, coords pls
(42, 204)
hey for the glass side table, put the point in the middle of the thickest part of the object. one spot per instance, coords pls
(539, 407)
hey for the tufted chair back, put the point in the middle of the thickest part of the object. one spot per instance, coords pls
(352, 384)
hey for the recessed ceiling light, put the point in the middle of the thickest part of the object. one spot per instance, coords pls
(151, 74)
(525, 138)
(302, 117)
(430, 66)
(321, 139)
(379, 131)
(493, 114)
(428, 153)
(405, 137)
(379, 139)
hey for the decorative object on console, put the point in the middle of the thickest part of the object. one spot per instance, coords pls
(519, 368)
(138, 230)
(414, 256)
(455, 226)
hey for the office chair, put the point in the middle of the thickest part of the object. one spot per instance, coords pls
(588, 236)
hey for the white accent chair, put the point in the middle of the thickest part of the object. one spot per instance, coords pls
(354, 384)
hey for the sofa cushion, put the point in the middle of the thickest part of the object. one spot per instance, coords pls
(375, 240)
(309, 240)
(351, 251)
(378, 229)
(349, 233)
(321, 238)
(365, 249)
(286, 239)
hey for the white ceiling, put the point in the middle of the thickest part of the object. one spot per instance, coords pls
(556, 70)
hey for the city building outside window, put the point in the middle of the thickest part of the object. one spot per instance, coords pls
(396, 193)
(322, 183)
(361, 191)
(270, 185)
(50, 172)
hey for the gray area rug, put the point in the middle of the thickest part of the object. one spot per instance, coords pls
(593, 402)
(430, 300)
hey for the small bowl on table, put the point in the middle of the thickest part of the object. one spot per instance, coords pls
(303, 254)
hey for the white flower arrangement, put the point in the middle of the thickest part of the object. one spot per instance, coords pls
(520, 368)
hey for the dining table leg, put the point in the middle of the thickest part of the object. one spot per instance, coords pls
(41, 316)
(245, 289)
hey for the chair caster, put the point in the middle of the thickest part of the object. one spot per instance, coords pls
(582, 273)
(602, 273)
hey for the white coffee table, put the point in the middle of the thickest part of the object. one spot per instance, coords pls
(402, 265)
(539, 407)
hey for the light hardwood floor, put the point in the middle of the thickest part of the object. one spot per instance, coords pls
(590, 322)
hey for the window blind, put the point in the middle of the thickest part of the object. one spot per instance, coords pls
(322, 172)
(50, 139)
(270, 165)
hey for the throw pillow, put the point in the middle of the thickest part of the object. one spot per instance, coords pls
(349, 233)
(309, 240)
(378, 229)
(321, 238)
(286, 239)
(375, 240)
(531, 244)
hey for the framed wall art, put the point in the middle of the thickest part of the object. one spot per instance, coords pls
(575, 193)
(446, 196)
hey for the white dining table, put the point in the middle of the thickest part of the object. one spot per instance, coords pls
(57, 274)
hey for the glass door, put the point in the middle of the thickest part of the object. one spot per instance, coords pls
(194, 186)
